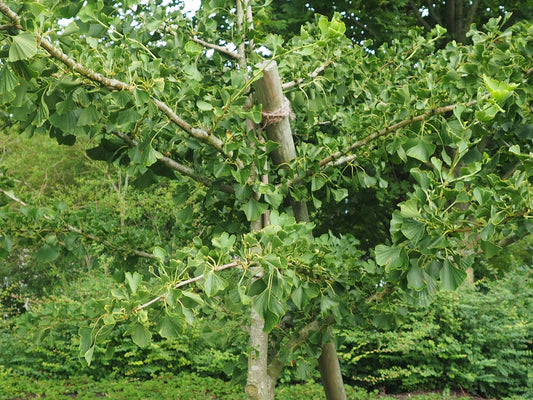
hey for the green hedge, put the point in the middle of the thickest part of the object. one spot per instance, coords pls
(479, 340)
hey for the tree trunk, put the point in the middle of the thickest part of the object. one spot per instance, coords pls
(259, 385)
(276, 112)
(330, 372)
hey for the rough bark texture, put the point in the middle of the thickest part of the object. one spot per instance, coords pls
(276, 113)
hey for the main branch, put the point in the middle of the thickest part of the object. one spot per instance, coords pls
(216, 47)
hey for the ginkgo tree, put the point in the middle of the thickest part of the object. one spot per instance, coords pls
(274, 131)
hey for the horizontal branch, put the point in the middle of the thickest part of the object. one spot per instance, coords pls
(341, 157)
(216, 47)
(115, 84)
(312, 75)
(74, 229)
(338, 158)
(186, 282)
(176, 166)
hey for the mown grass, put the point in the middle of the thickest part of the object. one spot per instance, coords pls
(181, 387)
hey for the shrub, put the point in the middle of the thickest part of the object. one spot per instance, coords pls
(478, 339)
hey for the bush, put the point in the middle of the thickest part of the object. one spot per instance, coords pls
(479, 340)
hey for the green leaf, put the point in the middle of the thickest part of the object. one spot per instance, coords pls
(88, 355)
(317, 181)
(415, 278)
(274, 199)
(47, 253)
(42, 113)
(421, 151)
(214, 283)
(8, 80)
(409, 209)
(487, 232)
(366, 180)
(391, 257)
(66, 122)
(192, 49)
(339, 194)
(451, 277)
(24, 46)
(298, 297)
(413, 230)
(191, 72)
(269, 308)
(86, 338)
(271, 320)
(88, 117)
(254, 209)
(160, 254)
(203, 105)
(499, 91)
(458, 110)
(225, 241)
(140, 335)
(482, 195)
(127, 119)
(171, 327)
(490, 249)
(133, 280)
(144, 154)
(488, 113)
(194, 298)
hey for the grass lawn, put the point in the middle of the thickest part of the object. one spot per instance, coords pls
(181, 387)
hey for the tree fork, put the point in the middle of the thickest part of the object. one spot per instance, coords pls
(276, 111)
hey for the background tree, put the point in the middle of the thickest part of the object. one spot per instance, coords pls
(382, 21)
(164, 95)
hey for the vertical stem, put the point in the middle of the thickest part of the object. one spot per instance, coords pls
(270, 94)
(259, 385)
(330, 372)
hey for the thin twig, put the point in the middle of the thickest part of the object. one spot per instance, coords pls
(186, 282)
(312, 75)
(216, 47)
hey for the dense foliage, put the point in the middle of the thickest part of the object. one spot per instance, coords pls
(440, 138)
(477, 339)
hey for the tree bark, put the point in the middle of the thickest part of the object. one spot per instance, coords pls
(276, 111)
(330, 372)
(259, 385)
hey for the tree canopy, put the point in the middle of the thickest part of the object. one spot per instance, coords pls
(441, 139)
